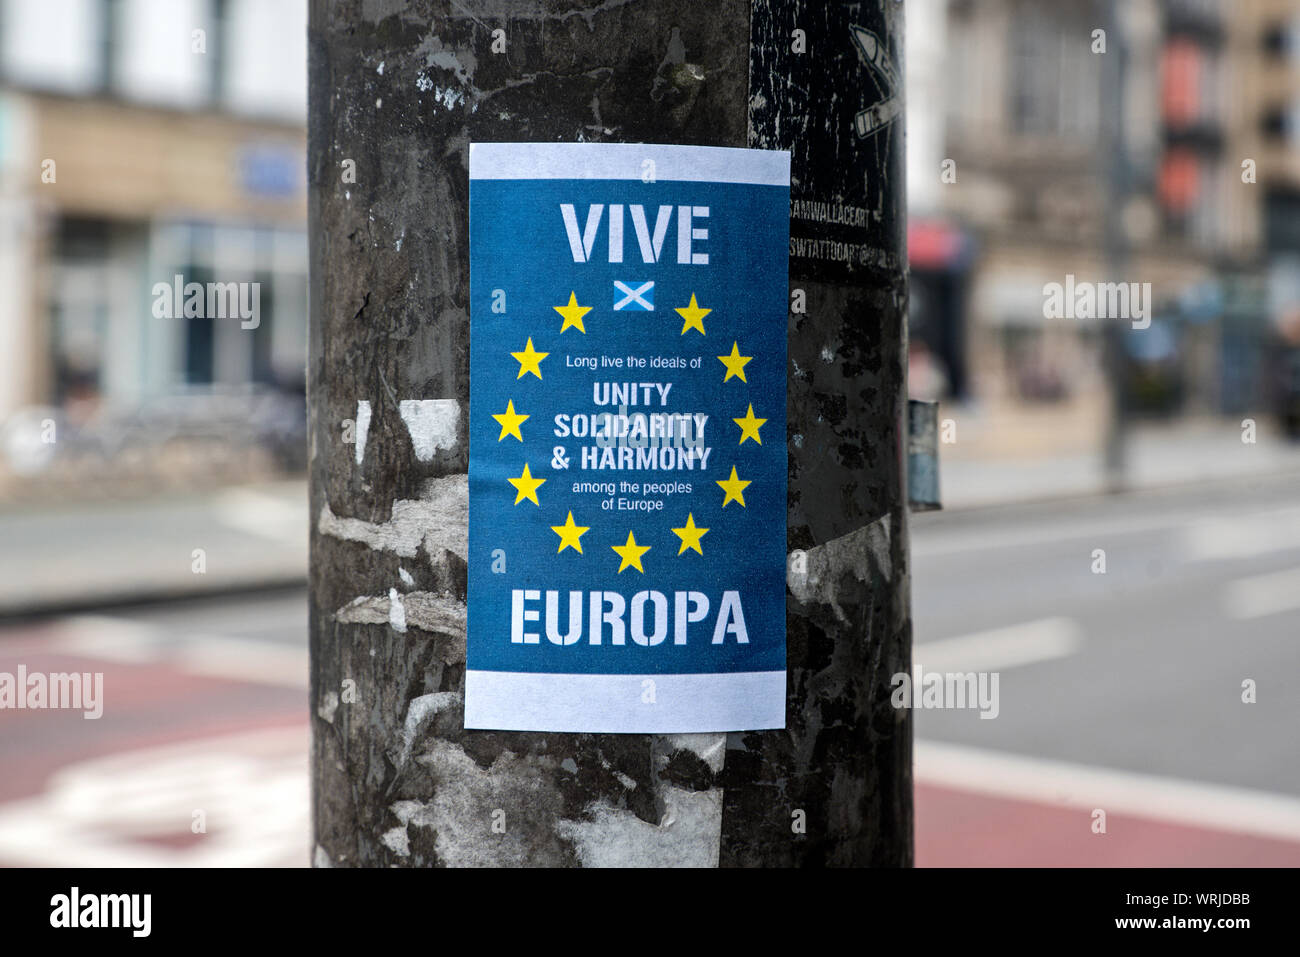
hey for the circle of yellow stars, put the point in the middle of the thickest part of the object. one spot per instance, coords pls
(570, 533)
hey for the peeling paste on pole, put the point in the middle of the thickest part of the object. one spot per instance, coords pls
(432, 424)
(520, 787)
(363, 428)
(437, 521)
(396, 613)
(418, 714)
(687, 836)
(709, 748)
(814, 575)
(329, 704)
(422, 610)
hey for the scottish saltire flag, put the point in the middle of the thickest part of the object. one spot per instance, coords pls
(627, 457)
(634, 295)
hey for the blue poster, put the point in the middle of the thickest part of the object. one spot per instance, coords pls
(627, 470)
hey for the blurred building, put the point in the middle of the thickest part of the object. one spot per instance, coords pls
(939, 250)
(142, 140)
(1267, 44)
(1105, 140)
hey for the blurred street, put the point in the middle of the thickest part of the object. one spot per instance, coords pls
(1158, 456)
(1119, 691)
(204, 713)
(81, 553)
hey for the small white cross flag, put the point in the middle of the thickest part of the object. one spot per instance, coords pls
(642, 297)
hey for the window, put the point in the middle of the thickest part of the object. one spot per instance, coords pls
(222, 351)
(1055, 83)
(265, 58)
(1035, 75)
(158, 57)
(53, 44)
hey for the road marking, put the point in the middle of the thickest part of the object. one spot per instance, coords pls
(1083, 788)
(121, 810)
(998, 648)
(260, 513)
(1243, 536)
(1235, 535)
(110, 639)
(242, 659)
(212, 656)
(1262, 595)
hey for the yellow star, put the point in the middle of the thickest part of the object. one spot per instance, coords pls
(573, 314)
(570, 535)
(526, 485)
(734, 487)
(510, 422)
(749, 426)
(735, 363)
(690, 535)
(693, 315)
(631, 554)
(530, 360)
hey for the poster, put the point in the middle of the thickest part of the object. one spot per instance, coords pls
(627, 474)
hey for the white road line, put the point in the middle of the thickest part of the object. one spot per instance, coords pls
(111, 639)
(998, 648)
(240, 659)
(1243, 536)
(213, 656)
(109, 811)
(1083, 788)
(266, 515)
(938, 540)
(1262, 595)
(1232, 535)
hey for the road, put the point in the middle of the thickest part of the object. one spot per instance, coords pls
(173, 544)
(1119, 692)
(199, 757)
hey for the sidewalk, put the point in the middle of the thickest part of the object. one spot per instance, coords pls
(58, 557)
(1157, 456)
